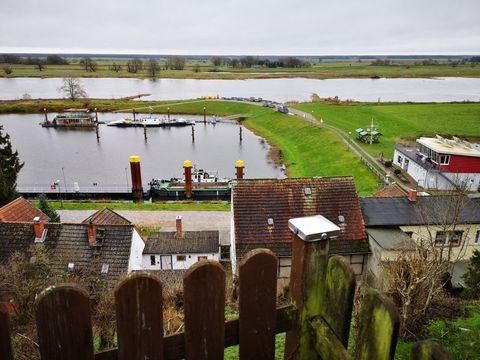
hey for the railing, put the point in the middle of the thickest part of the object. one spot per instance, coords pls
(318, 322)
(49, 189)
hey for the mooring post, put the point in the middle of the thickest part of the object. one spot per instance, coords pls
(137, 188)
(96, 131)
(46, 116)
(168, 113)
(240, 133)
(187, 167)
(193, 133)
(133, 115)
(239, 167)
(96, 115)
(204, 115)
(307, 280)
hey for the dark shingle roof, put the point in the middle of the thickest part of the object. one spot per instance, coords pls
(106, 217)
(426, 210)
(21, 210)
(257, 200)
(191, 242)
(69, 243)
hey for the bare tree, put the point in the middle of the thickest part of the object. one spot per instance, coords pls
(175, 62)
(7, 69)
(134, 65)
(72, 87)
(153, 68)
(216, 60)
(88, 64)
(116, 67)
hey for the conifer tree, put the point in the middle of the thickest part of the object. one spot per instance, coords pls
(10, 166)
(45, 207)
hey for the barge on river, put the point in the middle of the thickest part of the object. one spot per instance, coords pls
(150, 122)
(73, 118)
(198, 184)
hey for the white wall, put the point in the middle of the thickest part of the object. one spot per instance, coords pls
(136, 248)
(170, 262)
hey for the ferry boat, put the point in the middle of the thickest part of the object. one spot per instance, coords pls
(149, 122)
(73, 118)
(205, 185)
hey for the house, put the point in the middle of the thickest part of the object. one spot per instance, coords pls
(178, 250)
(21, 210)
(261, 209)
(397, 223)
(109, 250)
(439, 163)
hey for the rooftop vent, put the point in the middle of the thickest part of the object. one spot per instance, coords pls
(307, 191)
(341, 218)
(71, 266)
(270, 221)
(105, 268)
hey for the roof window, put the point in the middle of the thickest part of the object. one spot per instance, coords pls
(71, 266)
(307, 191)
(270, 221)
(341, 218)
(105, 268)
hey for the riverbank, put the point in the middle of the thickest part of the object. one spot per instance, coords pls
(322, 70)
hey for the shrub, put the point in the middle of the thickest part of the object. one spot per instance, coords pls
(388, 163)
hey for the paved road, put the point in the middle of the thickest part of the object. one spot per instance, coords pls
(192, 220)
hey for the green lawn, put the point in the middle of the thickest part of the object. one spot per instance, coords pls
(401, 122)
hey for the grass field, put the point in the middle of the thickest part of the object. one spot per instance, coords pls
(205, 70)
(401, 122)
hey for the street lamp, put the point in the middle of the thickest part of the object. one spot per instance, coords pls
(57, 183)
(204, 115)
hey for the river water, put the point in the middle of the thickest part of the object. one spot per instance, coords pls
(105, 162)
(297, 89)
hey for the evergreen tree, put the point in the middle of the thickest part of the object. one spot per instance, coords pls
(45, 207)
(10, 166)
(472, 277)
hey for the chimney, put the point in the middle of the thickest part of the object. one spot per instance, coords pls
(412, 195)
(92, 234)
(187, 167)
(137, 188)
(178, 223)
(240, 166)
(38, 228)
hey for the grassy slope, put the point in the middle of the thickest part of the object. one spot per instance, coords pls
(401, 121)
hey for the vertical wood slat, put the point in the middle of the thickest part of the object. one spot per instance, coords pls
(307, 285)
(64, 323)
(257, 303)
(204, 292)
(139, 313)
(428, 350)
(5, 340)
(378, 328)
(339, 293)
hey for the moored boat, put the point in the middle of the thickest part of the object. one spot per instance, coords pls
(149, 122)
(73, 118)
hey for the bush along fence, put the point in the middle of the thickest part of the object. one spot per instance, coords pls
(317, 322)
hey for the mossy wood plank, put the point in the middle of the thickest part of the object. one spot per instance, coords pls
(378, 328)
(258, 291)
(5, 342)
(327, 343)
(204, 291)
(64, 323)
(139, 313)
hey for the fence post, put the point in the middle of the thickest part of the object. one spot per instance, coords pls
(5, 340)
(204, 306)
(139, 313)
(64, 323)
(257, 302)
(428, 350)
(378, 328)
(307, 280)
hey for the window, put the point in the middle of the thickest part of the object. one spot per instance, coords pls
(105, 268)
(477, 238)
(270, 221)
(152, 260)
(181, 258)
(399, 159)
(444, 159)
(409, 234)
(200, 258)
(448, 237)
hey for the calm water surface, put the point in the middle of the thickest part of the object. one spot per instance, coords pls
(299, 89)
(85, 160)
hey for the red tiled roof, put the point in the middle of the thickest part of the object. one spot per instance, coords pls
(21, 210)
(393, 190)
(106, 217)
(256, 200)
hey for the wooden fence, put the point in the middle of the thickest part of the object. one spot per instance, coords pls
(317, 322)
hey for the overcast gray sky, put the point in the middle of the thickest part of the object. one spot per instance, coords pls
(257, 27)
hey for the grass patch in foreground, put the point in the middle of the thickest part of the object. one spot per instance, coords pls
(166, 206)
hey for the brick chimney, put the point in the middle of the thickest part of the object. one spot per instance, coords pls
(412, 195)
(92, 234)
(178, 223)
(38, 228)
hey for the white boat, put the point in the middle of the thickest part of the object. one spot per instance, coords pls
(149, 122)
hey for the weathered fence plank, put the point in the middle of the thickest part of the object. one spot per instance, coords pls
(258, 292)
(64, 323)
(5, 340)
(339, 294)
(428, 350)
(204, 291)
(327, 344)
(378, 328)
(139, 313)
